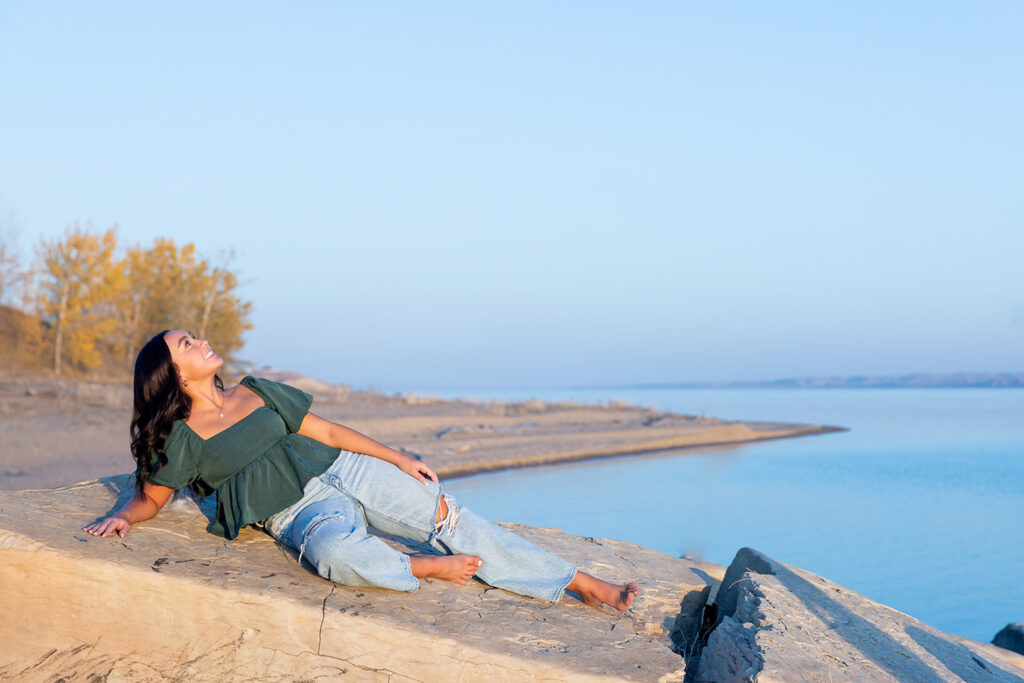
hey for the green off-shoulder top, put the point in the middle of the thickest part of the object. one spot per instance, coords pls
(257, 466)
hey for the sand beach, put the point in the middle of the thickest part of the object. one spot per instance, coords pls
(56, 433)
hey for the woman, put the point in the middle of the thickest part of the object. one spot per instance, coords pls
(315, 485)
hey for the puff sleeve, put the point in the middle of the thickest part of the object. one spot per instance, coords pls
(290, 403)
(179, 466)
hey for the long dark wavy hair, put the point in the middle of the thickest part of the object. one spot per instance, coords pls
(159, 401)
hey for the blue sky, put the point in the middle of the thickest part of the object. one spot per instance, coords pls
(532, 195)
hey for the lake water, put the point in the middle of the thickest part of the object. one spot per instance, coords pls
(919, 506)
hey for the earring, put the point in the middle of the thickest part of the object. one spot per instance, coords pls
(185, 381)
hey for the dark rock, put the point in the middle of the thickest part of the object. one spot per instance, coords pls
(1011, 637)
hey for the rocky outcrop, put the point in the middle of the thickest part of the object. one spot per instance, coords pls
(1011, 637)
(172, 601)
(780, 623)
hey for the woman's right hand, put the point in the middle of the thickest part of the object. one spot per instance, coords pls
(141, 507)
(107, 526)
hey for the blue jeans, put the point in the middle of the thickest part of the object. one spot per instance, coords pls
(329, 528)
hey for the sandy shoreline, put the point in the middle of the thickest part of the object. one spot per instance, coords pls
(55, 433)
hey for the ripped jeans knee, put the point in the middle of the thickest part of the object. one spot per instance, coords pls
(446, 525)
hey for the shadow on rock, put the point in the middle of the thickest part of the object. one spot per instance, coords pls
(959, 659)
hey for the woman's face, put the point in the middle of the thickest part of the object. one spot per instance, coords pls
(194, 357)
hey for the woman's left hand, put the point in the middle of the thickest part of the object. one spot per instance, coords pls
(417, 468)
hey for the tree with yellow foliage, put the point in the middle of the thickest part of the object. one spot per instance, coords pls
(78, 278)
(92, 302)
(170, 287)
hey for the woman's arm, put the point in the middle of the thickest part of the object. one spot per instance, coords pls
(142, 506)
(339, 436)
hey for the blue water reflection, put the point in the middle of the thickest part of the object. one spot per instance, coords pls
(918, 506)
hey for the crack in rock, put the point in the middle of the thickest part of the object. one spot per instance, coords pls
(323, 617)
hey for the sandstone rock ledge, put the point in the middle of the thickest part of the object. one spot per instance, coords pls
(171, 601)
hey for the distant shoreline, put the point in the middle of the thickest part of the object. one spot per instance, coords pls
(960, 380)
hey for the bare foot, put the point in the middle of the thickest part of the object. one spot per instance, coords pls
(595, 592)
(455, 568)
